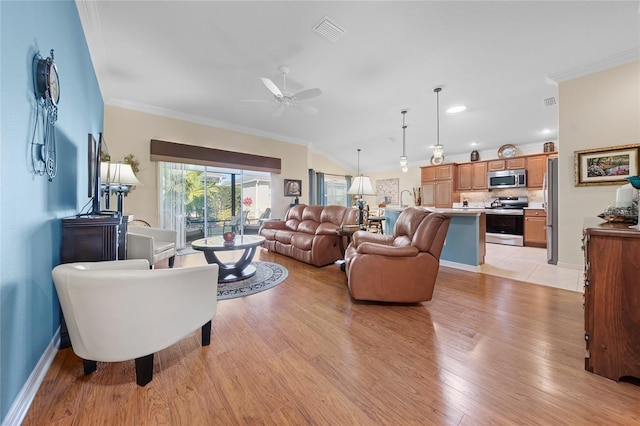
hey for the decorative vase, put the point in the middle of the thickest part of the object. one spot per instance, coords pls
(475, 155)
(229, 236)
(549, 147)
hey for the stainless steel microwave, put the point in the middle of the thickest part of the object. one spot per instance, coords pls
(507, 179)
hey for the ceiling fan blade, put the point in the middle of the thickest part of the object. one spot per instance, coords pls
(278, 111)
(308, 109)
(307, 94)
(272, 87)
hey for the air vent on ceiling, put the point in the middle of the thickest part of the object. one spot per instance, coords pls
(549, 102)
(329, 29)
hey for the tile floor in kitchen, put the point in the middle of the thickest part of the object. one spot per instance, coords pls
(529, 264)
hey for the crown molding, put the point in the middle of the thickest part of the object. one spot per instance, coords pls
(163, 112)
(604, 63)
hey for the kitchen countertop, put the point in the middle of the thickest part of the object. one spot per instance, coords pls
(462, 211)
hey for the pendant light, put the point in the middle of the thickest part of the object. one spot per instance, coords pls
(403, 159)
(438, 149)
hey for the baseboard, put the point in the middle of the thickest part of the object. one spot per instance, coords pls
(456, 265)
(575, 266)
(21, 404)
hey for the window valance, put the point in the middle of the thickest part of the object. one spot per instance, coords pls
(205, 156)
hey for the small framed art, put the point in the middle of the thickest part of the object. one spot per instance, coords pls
(292, 188)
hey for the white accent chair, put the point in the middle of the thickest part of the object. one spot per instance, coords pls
(153, 244)
(122, 310)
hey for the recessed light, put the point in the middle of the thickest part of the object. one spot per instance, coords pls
(456, 109)
(546, 131)
(474, 143)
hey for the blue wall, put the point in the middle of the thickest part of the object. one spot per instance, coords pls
(30, 205)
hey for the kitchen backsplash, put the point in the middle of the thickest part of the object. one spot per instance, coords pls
(480, 199)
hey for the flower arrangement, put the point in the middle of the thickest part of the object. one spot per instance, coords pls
(247, 201)
(417, 197)
(133, 161)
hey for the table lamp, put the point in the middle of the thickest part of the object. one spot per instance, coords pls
(361, 186)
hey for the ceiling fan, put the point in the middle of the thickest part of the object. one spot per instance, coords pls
(287, 99)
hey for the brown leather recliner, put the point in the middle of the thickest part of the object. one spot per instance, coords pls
(401, 267)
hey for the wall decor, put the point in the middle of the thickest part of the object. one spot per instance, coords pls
(606, 166)
(292, 188)
(387, 191)
(47, 91)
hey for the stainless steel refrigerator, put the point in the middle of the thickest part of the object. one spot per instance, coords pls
(550, 189)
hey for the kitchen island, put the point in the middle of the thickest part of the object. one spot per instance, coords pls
(465, 246)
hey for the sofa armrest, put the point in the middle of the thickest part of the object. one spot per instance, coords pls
(133, 264)
(360, 237)
(139, 246)
(327, 228)
(389, 251)
(274, 224)
(158, 233)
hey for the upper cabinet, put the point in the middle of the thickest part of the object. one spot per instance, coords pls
(438, 185)
(472, 176)
(536, 169)
(507, 164)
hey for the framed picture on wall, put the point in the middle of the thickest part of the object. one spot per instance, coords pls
(606, 166)
(292, 188)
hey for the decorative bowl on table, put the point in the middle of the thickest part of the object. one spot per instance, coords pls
(229, 237)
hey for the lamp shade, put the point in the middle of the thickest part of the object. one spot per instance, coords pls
(118, 174)
(361, 186)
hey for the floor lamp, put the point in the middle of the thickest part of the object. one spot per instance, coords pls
(361, 186)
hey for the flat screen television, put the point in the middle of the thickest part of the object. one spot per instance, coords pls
(93, 167)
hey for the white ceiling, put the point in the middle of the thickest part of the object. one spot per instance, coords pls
(199, 60)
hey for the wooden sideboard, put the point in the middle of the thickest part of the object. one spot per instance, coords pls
(612, 300)
(91, 239)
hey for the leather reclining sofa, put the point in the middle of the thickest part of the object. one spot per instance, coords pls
(308, 233)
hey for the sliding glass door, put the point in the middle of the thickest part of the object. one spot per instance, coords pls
(201, 201)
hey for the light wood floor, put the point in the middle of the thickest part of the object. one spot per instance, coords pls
(485, 350)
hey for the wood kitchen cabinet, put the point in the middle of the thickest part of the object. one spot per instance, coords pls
(438, 185)
(611, 299)
(472, 176)
(507, 164)
(516, 163)
(536, 169)
(535, 232)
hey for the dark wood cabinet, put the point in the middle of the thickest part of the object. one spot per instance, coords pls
(91, 239)
(612, 301)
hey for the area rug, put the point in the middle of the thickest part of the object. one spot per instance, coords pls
(268, 275)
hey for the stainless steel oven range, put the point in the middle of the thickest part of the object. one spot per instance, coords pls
(505, 221)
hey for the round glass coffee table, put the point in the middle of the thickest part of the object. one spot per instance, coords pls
(233, 271)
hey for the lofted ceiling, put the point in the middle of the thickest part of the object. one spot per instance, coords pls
(201, 61)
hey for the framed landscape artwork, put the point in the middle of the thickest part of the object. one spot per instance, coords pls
(606, 166)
